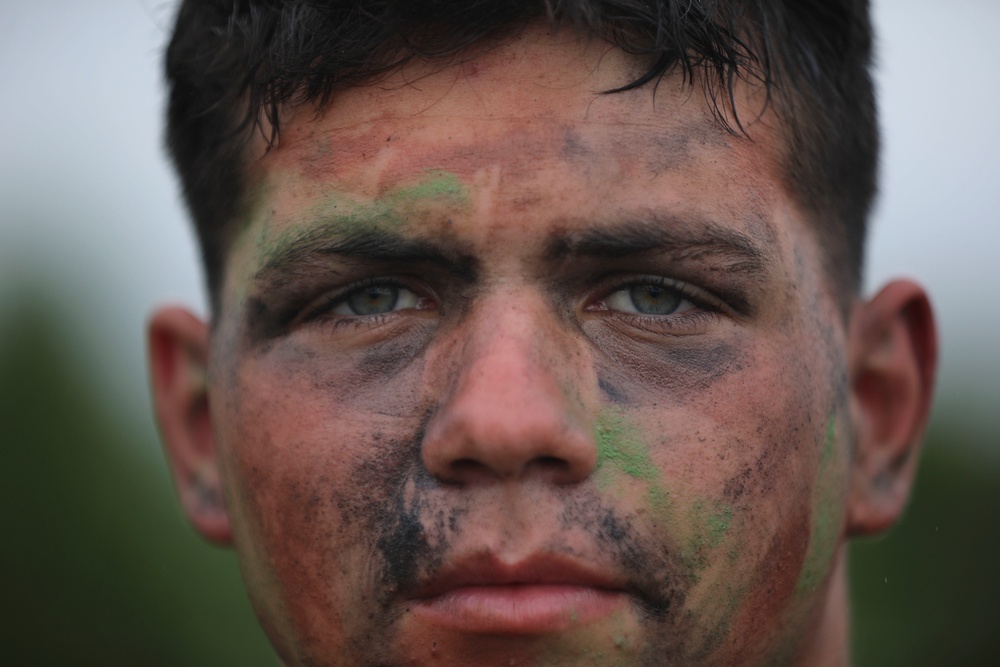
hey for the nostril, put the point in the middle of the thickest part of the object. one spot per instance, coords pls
(470, 440)
(464, 470)
(553, 467)
(465, 464)
(469, 469)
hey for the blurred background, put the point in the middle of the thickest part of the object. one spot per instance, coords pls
(96, 563)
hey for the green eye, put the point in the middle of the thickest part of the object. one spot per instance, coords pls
(648, 298)
(376, 300)
(654, 299)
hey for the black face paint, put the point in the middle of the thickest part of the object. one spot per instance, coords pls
(573, 147)
(674, 371)
(262, 325)
(412, 520)
(702, 366)
(659, 575)
(383, 361)
(611, 392)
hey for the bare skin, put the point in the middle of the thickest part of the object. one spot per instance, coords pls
(511, 372)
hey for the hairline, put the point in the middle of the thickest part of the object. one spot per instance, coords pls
(784, 106)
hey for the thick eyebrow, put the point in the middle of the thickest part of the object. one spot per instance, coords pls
(315, 247)
(680, 238)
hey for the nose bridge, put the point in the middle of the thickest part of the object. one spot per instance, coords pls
(515, 404)
(506, 354)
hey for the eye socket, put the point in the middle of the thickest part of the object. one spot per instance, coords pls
(649, 297)
(375, 300)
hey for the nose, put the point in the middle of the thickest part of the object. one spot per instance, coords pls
(515, 406)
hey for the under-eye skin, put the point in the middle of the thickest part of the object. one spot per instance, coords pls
(659, 304)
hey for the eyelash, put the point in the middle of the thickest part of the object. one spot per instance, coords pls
(321, 312)
(708, 307)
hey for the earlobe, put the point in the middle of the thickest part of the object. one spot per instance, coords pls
(178, 354)
(893, 356)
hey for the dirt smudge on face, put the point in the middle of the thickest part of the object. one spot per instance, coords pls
(754, 479)
(610, 391)
(672, 371)
(750, 607)
(574, 147)
(261, 325)
(409, 522)
(658, 573)
(385, 539)
(385, 360)
(827, 512)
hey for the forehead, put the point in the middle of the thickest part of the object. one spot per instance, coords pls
(532, 112)
(501, 152)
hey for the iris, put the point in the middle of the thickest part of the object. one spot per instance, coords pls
(650, 299)
(373, 300)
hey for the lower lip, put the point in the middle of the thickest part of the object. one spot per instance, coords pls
(519, 608)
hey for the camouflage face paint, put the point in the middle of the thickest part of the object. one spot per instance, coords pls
(827, 512)
(342, 215)
(700, 503)
(620, 448)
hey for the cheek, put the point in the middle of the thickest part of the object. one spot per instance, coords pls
(325, 484)
(739, 456)
(318, 447)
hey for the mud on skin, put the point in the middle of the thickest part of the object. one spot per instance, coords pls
(412, 521)
(408, 520)
(412, 532)
(630, 368)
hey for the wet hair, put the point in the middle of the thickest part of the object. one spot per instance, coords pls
(233, 64)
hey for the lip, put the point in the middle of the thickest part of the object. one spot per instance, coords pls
(539, 595)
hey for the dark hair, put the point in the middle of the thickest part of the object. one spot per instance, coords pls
(233, 63)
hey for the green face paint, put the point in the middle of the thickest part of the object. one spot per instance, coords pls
(391, 211)
(437, 186)
(713, 521)
(343, 215)
(339, 214)
(710, 522)
(620, 451)
(620, 448)
(827, 505)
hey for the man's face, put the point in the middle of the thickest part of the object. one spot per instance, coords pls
(508, 371)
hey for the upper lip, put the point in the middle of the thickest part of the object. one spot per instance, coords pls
(487, 569)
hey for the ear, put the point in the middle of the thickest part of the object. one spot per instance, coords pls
(178, 355)
(893, 356)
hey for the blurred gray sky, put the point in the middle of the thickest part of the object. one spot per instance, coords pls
(89, 208)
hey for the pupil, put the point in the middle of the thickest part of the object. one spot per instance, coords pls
(373, 300)
(654, 299)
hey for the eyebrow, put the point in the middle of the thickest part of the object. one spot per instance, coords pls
(316, 246)
(307, 255)
(681, 238)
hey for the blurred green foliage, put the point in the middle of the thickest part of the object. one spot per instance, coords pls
(97, 567)
(927, 594)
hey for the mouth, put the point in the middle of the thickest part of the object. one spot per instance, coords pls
(538, 595)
